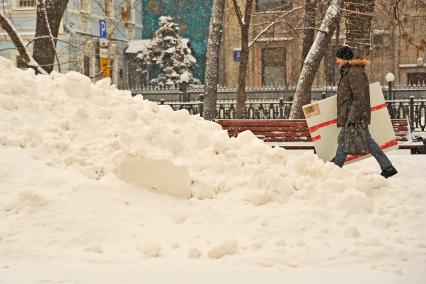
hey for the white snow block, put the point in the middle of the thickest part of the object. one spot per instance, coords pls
(321, 119)
(160, 176)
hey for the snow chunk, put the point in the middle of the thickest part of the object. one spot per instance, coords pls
(149, 250)
(160, 176)
(229, 247)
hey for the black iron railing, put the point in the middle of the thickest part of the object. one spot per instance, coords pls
(265, 93)
(413, 109)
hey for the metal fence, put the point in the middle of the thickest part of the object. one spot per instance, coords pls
(413, 109)
(264, 93)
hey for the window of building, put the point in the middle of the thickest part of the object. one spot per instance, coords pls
(85, 6)
(127, 12)
(109, 8)
(416, 79)
(130, 9)
(273, 66)
(86, 65)
(378, 38)
(97, 58)
(26, 3)
(270, 5)
(111, 70)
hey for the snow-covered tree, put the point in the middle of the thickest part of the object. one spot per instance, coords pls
(212, 59)
(172, 53)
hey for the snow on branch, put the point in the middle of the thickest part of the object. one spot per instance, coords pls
(277, 20)
(19, 43)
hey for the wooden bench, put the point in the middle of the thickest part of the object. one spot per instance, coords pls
(293, 134)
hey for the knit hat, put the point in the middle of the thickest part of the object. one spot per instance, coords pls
(345, 52)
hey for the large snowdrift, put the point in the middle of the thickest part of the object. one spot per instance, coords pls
(66, 121)
(78, 161)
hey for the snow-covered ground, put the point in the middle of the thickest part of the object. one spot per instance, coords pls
(100, 187)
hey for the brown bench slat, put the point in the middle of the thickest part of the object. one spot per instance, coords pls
(286, 130)
(287, 139)
(275, 133)
(253, 122)
(282, 134)
(268, 129)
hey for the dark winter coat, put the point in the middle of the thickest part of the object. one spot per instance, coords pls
(353, 94)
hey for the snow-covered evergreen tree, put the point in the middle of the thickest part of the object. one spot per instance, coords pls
(172, 53)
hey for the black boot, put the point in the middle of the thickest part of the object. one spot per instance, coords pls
(389, 171)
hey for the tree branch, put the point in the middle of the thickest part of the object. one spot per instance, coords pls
(277, 20)
(238, 12)
(19, 43)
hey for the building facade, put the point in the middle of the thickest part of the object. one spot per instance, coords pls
(78, 45)
(275, 54)
(274, 58)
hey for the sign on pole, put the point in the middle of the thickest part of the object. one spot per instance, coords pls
(237, 54)
(105, 68)
(102, 29)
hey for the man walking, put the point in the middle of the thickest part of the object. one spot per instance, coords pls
(354, 111)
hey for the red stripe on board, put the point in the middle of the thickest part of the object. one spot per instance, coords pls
(333, 121)
(318, 137)
(378, 107)
(321, 125)
(384, 146)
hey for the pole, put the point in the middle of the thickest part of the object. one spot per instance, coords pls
(390, 109)
(411, 112)
(200, 105)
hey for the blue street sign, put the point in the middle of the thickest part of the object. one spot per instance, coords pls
(102, 29)
(237, 54)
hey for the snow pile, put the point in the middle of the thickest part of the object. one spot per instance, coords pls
(77, 160)
(69, 122)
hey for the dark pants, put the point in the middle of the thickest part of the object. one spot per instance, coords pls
(372, 146)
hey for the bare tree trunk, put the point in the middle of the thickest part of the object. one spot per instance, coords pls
(242, 74)
(44, 47)
(313, 59)
(17, 40)
(212, 60)
(308, 27)
(244, 22)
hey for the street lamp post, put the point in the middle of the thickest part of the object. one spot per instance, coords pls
(390, 78)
